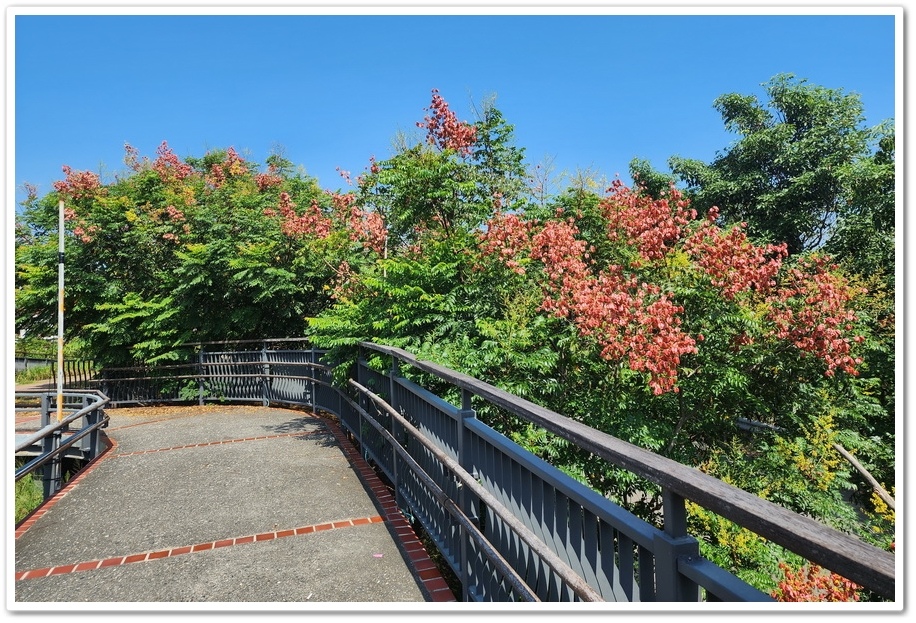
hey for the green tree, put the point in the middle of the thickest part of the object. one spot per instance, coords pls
(797, 168)
(806, 170)
(173, 251)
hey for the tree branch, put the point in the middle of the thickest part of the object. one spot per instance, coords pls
(884, 495)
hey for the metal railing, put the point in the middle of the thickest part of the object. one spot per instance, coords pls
(510, 525)
(76, 371)
(55, 440)
(644, 563)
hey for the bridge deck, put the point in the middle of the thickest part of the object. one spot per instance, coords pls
(223, 504)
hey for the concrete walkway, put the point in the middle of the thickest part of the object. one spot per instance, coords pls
(222, 504)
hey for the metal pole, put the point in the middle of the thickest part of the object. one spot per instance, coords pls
(60, 312)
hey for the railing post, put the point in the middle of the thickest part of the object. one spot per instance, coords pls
(466, 461)
(312, 373)
(51, 470)
(93, 417)
(673, 545)
(45, 410)
(361, 399)
(200, 377)
(265, 380)
(84, 422)
(395, 427)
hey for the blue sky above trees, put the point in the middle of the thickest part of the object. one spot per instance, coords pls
(587, 92)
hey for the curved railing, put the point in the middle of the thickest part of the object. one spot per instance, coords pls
(52, 442)
(511, 526)
(860, 562)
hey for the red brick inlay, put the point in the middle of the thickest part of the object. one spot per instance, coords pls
(424, 568)
(197, 547)
(29, 521)
(301, 433)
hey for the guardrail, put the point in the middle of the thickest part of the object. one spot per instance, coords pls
(55, 438)
(663, 565)
(511, 526)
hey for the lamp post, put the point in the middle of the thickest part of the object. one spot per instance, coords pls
(60, 312)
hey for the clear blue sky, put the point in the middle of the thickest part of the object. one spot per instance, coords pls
(589, 91)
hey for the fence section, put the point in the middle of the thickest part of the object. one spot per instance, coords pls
(510, 526)
(77, 372)
(552, 531)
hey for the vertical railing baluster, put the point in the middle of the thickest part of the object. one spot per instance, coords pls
(265, 380)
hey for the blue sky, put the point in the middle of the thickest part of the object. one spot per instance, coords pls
(587, 91)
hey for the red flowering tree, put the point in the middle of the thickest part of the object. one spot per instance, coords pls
(627, 304)
(151, 255)
(444, 130)
(700, 330)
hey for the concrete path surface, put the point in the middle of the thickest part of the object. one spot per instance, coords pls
(222, 504)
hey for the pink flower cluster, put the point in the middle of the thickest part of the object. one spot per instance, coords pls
(653, 226)
(812, 583)
(733, 263)
(506, 236)
(811, 311)
(267, 180)
(77, 183)
(85, 232)
(312, 222)
(345, 175)
(233, 165)
(132, 157)
(169, 166)
(629, 320)
(81, 230)
(31, 191)
(363, 226)
(444, 130)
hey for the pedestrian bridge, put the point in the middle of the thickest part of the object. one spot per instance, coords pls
(501, 524)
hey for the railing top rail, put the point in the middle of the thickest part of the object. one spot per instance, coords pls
(862, 563)
(269, 340)
(100, 401)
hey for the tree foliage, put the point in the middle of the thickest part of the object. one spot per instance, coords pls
(175, 251)
(803, 168)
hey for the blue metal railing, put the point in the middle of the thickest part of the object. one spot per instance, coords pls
(509, 525)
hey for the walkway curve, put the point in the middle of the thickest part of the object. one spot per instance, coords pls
(223, 504)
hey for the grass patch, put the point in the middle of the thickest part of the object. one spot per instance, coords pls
(29, 496)
(33, 375)
(30, 488)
